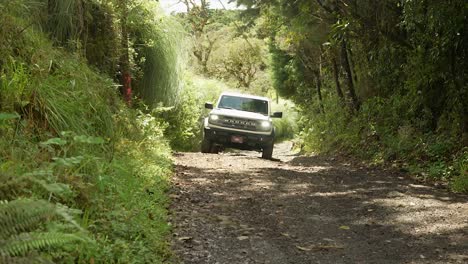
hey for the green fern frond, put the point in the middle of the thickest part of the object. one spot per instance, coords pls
(28, 259)
(22, 215)
(26, 242)
(67, 215)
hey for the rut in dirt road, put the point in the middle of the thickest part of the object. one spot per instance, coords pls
(238, 208)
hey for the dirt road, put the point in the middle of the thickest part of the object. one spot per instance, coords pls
(238, 208)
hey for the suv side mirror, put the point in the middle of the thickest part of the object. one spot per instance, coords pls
(277, 114)
(208, 105)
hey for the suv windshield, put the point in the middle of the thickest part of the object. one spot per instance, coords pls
(244, 104)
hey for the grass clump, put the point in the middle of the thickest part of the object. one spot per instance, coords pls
(159, 57)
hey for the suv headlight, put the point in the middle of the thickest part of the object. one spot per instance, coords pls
(265, 125)
(213, 118)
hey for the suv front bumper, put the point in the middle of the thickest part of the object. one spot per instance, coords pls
(250, 141)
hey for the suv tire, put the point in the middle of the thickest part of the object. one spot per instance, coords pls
(267, 152)
(215, 149)
(206, 146)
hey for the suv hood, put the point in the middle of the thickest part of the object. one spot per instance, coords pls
(238, 113)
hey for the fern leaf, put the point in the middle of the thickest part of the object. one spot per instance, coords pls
(28, 259)
(23, 215)
(26, 242)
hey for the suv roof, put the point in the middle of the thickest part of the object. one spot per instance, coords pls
(245, 95)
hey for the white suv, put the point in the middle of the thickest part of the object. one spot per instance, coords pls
(240, 121)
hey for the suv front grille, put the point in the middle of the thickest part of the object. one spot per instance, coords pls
(238, 123)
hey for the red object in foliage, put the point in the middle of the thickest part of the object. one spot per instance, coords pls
(127, 82)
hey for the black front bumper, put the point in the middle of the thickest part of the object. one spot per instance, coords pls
(250, 141)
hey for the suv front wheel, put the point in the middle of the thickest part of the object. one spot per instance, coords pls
(267, 152)
(206, 146)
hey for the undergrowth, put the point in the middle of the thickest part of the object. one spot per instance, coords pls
(82, 177)
(286, 127)
(184, 119)
(380, 134)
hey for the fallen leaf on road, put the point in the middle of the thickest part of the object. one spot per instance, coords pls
(319, 247)
(345, 227)
(241, 238)
(304, 248)
(185, 239)
(327, 247)
(174, 196)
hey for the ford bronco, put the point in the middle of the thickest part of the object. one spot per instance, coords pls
(240, 121)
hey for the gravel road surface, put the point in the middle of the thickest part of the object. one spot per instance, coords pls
(238, 208)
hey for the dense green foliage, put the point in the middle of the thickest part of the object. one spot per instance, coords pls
(226, 48)
(184, 120)
(159, 56)
(82, 176)
(381, 80)
(228, 54)
(286, 127)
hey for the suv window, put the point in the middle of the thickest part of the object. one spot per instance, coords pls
(244, 104)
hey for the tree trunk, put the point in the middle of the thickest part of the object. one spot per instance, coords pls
(318, 79)
(318, 75)
(349, 76)
(458, 83)
(84, 25)
(352, 65)
(126, 79)
(337, 80)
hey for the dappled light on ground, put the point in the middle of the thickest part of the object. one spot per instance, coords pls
(237, 208)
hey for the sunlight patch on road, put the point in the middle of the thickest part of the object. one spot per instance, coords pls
(306, 169)
(201, 180)
(413, 218)
(458, 258)
(353, 194)
(262, 184)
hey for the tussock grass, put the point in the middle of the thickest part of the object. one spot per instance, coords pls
(160, 41)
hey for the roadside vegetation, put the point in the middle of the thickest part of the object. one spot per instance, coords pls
(82, 175)
(383, 81)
